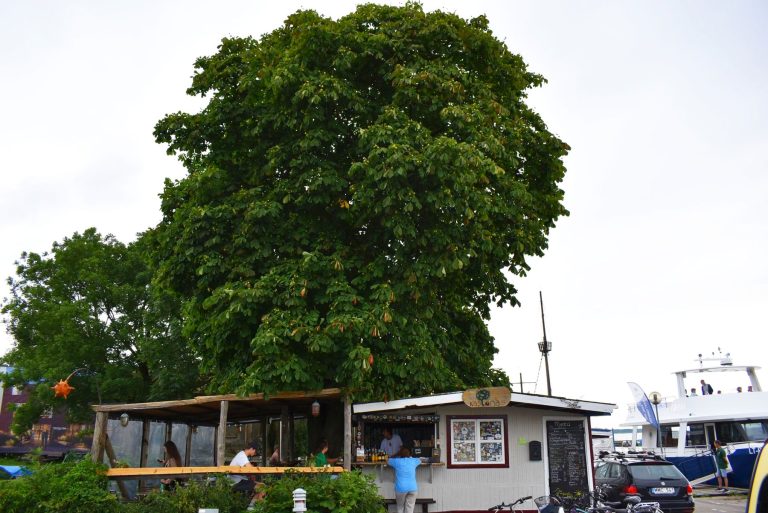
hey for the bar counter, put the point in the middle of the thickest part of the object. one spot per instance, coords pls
(382, 464)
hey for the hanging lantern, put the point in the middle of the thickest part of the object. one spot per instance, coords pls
(315, 408)
(124, 419)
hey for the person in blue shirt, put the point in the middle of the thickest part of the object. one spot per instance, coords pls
(405, 480)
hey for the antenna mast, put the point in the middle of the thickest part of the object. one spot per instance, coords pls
(545, 346)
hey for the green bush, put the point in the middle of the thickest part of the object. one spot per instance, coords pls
(189, 498)
(59, 488)
(82, 487)
(351, 492)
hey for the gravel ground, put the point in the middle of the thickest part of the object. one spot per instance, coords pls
(721, 504)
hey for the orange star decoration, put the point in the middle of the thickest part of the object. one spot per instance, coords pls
(62, 388)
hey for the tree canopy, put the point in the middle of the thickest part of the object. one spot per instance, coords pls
(89, 305)
(359, 192)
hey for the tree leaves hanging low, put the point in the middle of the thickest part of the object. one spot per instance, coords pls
(356, 187)
(88, 305)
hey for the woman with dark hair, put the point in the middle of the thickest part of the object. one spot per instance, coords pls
(172, 459)
(405, 480)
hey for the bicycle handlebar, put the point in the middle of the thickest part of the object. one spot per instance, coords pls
(518, 501)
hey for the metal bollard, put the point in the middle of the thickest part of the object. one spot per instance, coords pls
(299, 500)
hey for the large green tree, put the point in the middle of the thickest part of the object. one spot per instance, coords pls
(88, 304)
(357, 191)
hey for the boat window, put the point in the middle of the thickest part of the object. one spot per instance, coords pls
(695, 436)
(733, 432)
(655, 471)
(669, 435)
(756, 430)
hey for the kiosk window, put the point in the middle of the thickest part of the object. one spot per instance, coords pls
(477, 441)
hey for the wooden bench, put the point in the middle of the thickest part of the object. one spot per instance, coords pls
(424, 503)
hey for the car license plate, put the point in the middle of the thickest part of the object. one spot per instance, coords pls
(662, 491)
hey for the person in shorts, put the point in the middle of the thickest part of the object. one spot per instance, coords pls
(723, 466)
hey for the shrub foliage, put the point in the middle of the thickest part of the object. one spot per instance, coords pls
(82, 487)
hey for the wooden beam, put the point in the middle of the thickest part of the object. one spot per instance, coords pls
(200, 400)
(221, 435)
(99, 437)
(112, 461)
(326, 392)
(134, 473)
(347, 432)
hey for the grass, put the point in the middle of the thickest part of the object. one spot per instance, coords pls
(7, 460)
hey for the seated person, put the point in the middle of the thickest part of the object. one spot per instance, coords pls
(274, 460)
(242, 484)
(172, 459)
(321, 459)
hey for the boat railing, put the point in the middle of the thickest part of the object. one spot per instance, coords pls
(697, 464)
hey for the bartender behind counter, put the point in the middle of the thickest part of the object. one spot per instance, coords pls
(392, 443)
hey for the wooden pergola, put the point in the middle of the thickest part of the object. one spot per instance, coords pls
(217, 411)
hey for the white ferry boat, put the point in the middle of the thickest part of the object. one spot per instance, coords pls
(690, 424)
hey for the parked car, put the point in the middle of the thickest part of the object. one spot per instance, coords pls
(651, 477)
(758, 490)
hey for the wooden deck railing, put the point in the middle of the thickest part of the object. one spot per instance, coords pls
(161, 472)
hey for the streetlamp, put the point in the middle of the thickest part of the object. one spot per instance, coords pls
(655, 398)
(545, 346)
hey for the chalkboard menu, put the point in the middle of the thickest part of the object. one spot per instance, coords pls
(567, 457)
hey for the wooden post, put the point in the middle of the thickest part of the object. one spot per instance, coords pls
(285, 434)
(292, 430)
(347, 432)
(188, 449)
(221, 435)
(264, 439)
(112, 460)
(144, 452)
(99, 437)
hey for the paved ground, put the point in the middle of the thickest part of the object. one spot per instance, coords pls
(722, 504)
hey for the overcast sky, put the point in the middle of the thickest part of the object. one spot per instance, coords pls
(665, 106)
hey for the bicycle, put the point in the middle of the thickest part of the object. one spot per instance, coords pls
(594, 503)
(580, 503)
(632, 503)
(502, 506)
